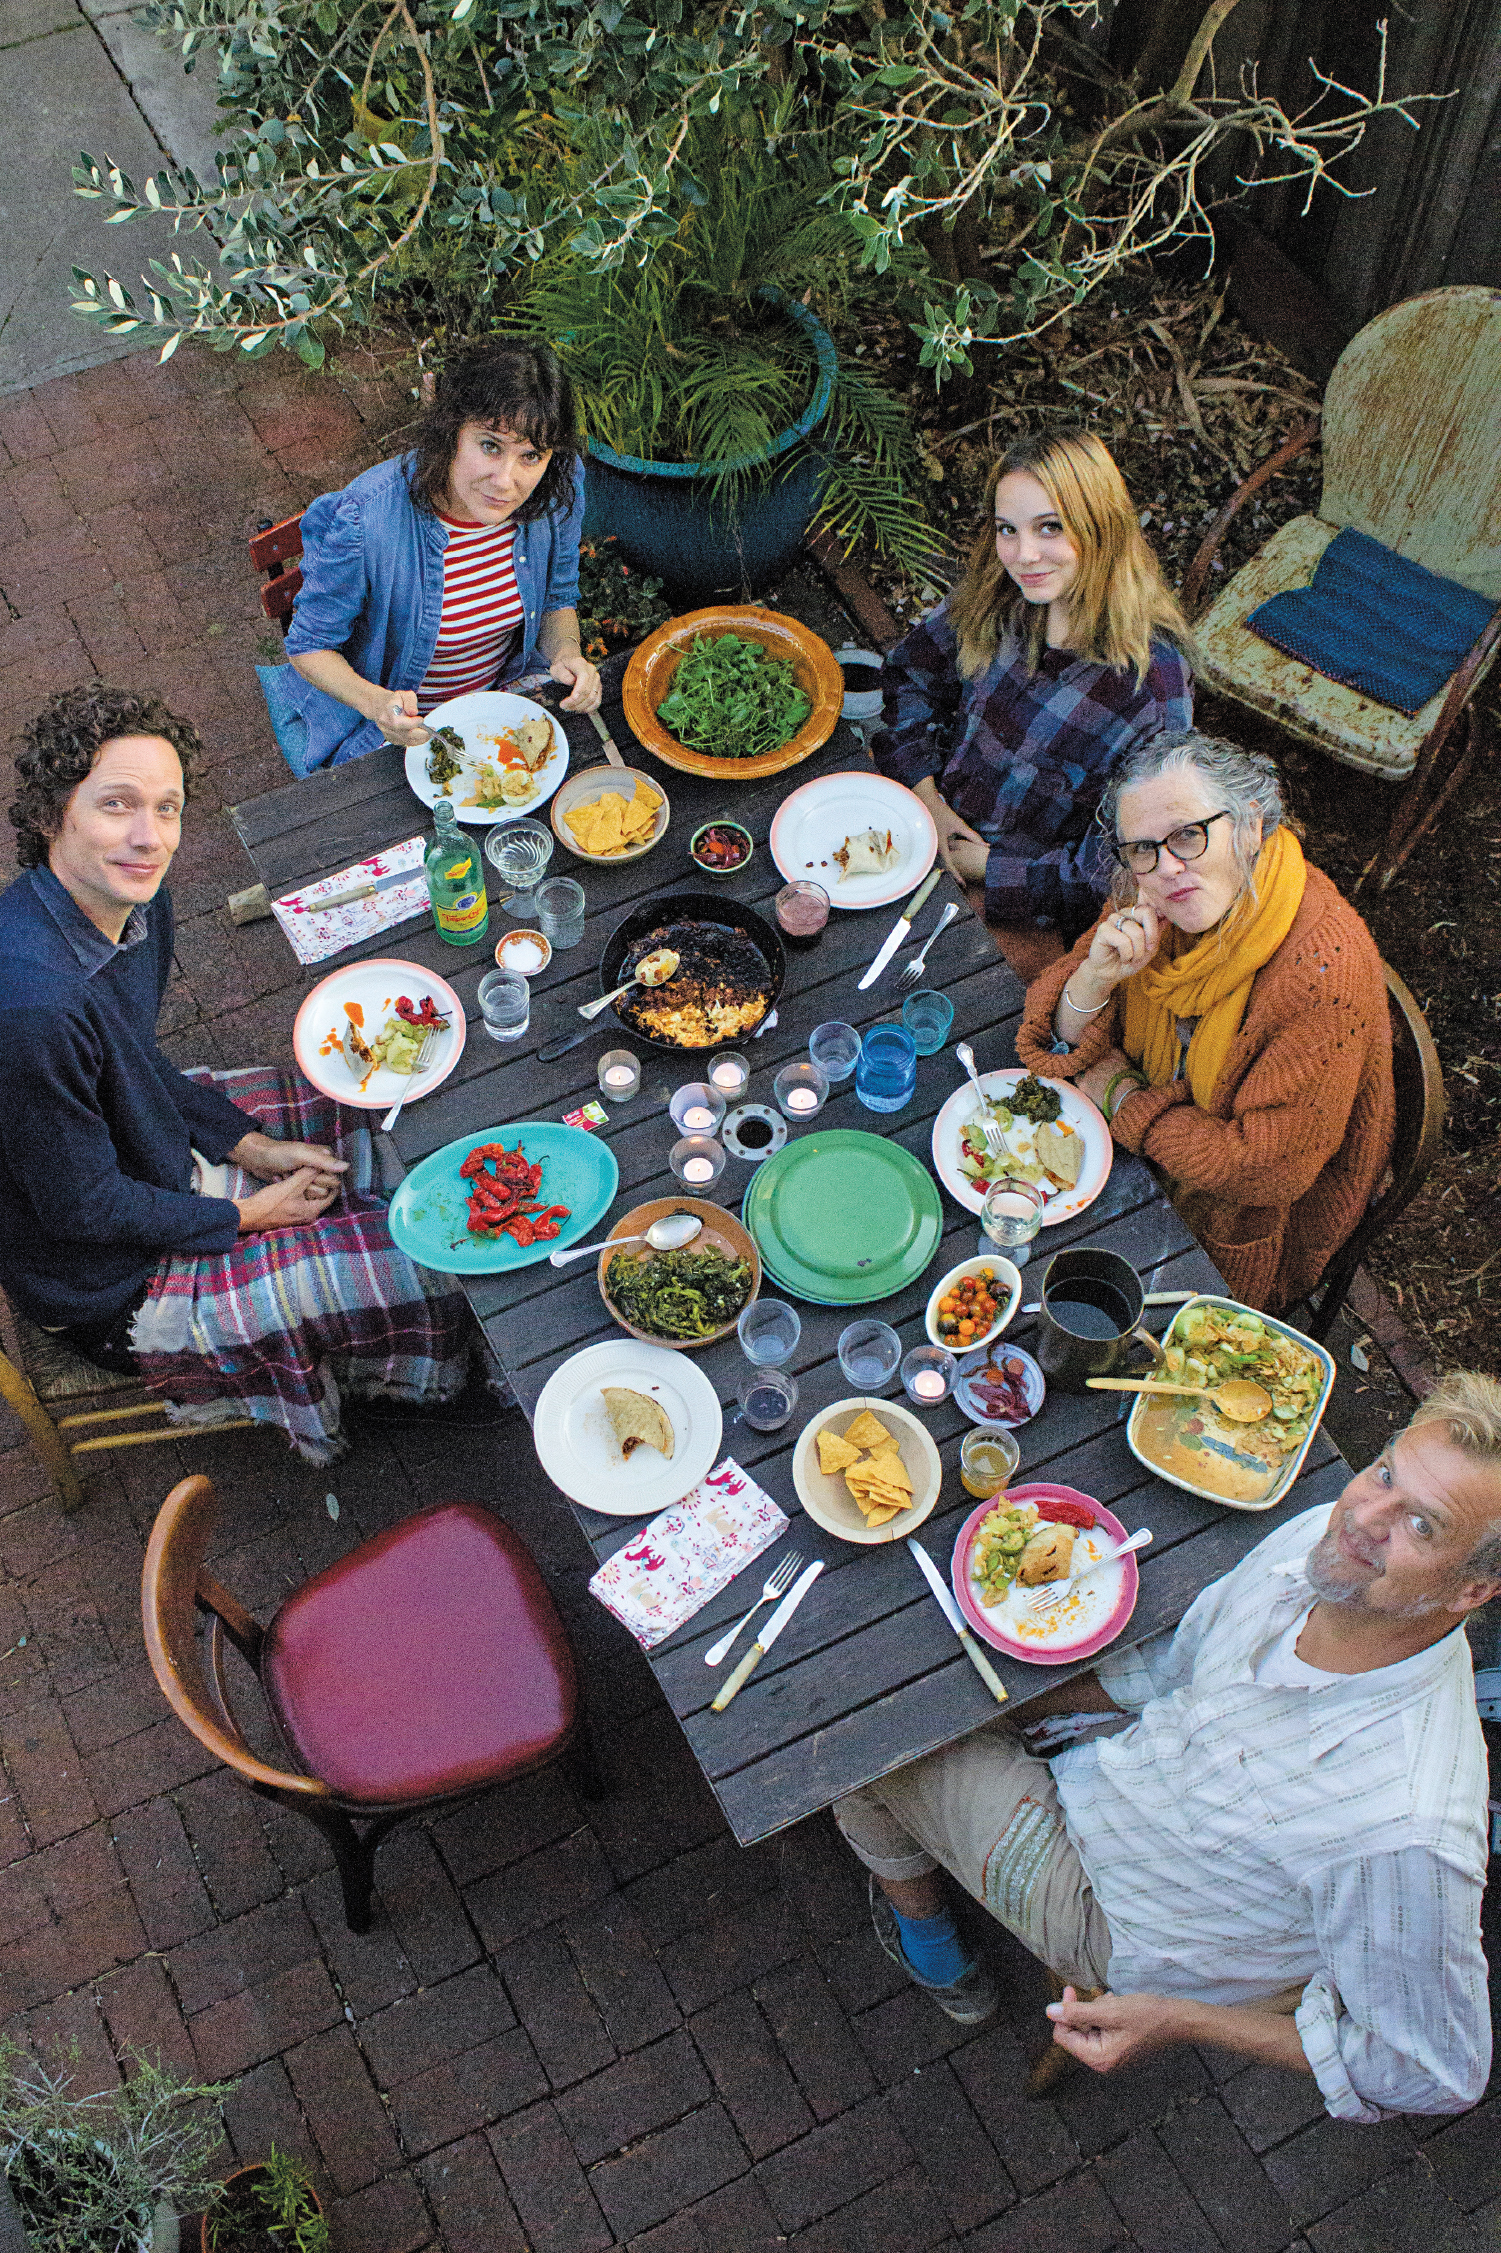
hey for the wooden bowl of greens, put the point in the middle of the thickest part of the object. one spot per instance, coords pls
(682, 1299)
(732, 693)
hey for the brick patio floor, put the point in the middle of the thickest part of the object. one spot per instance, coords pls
(571, 2027)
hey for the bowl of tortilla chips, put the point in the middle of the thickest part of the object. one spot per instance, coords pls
(610, 814)
(867, 1471)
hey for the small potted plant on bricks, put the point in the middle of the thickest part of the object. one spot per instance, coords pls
(269, 2207)
(113, 2169)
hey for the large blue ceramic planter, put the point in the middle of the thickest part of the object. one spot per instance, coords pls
(664, 519)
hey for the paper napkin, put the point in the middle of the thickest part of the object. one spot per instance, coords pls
(316, 933)
(673, 1566)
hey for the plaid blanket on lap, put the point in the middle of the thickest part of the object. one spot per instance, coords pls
(285, 1324)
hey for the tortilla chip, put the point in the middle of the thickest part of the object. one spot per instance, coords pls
(884, 1517)
(598, 826)
(835, 1454)
(868, 1431)
(639, 818)
(1061, 1151)
(637, 1421)
(889, 1461)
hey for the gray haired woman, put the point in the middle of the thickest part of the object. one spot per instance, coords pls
(1228, 1015)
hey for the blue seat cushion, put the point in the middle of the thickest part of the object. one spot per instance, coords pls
(1377, 622)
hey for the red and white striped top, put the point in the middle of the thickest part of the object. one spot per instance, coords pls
(481, 611)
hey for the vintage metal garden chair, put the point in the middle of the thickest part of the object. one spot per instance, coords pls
(426, 1665)
(1412, 457)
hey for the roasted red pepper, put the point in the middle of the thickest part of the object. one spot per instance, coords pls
(504, 1201)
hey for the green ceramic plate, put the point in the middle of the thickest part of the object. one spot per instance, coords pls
(842, 1218)
(429, 1212)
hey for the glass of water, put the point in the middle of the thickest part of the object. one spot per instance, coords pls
(887, 1071)
(519, 853)
(769, 1330)
(868, 1354)
(927, 1017)
(767, 1398)
(835, 1049)
(1010, 1217)
(560, 911)
(505, 1000)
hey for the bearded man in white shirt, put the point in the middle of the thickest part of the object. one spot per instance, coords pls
(1282, 1851)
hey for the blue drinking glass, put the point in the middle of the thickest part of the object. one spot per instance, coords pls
(887, 1071)
(927, 1017)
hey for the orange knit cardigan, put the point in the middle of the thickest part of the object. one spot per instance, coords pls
(1278, 1171)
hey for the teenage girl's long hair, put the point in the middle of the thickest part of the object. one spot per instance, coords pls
(1119, 599)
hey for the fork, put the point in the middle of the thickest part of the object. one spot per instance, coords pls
(912, 971)
(421, 1064)
(1053, 1591)
(991, 1128)
(778, 1584)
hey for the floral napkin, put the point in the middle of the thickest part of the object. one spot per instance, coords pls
(316, 933)
(671, 1568)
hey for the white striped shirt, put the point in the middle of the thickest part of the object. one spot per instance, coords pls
(1246, 1836)
(481, 610)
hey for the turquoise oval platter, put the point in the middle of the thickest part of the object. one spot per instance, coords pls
(430, 1211)
(841, 1218)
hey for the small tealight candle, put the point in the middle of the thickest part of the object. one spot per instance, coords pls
(698, 1160)
(697, 1108)
(731, 1075)
(929, 1384)
(928, 1372)
(619, 1075)
(697, 1120)
(800, 1090)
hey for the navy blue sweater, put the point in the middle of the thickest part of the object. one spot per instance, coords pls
(97, 1129)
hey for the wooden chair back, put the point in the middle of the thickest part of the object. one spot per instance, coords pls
(272, 547)
(175, 1588)
(1412, 435)
(1418, 1079)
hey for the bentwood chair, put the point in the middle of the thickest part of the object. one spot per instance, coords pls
(1412, 458)
(1418, 1078)
(423, 1667)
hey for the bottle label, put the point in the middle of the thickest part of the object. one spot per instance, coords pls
(466, 913)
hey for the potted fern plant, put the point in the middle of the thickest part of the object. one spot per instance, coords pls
(722, 423)
(108, 2172)
(269, 2207)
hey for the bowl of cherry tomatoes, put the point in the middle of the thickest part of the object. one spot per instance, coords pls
(974, 1303)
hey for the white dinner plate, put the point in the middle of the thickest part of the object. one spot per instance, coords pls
(478, 718)
(579, 1451)
(811, 825)
(1078, 1112)
(374, 988)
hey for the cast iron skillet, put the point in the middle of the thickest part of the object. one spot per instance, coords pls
(698, 907)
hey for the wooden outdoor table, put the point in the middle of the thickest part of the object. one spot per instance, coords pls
(868, 1674)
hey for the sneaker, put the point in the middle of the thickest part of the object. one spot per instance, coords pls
(970, 1999)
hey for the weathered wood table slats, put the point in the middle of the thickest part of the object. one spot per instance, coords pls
(868, 1675)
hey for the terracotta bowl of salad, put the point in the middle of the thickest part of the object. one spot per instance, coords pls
(738, 712)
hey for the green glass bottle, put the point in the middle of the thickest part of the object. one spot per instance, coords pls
(456, 881)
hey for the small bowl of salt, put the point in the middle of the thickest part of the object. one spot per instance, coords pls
(523, 951)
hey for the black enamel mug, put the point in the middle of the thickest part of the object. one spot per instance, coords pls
(1090, 1317)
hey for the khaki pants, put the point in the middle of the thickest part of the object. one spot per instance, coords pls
(989, 1813)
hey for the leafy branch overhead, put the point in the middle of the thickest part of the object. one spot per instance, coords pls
(418, 155)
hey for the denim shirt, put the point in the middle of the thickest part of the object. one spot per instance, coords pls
(372, 589)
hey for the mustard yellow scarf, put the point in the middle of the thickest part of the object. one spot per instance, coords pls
(1209, 977)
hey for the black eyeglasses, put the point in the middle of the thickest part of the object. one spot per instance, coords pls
(1190, 843)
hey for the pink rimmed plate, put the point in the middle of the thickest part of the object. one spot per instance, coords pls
(1086, 1621)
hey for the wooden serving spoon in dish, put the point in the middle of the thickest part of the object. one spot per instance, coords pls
(653, 969)
(1239, 1398)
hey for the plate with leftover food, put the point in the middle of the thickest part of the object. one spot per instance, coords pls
(729, 971)
(627, 1428)
(1000, 1384)
(491, 754)
(866, 840)
(1030, 1538)
(504, 1198)
(360, 1030)
(1244, 1466)
(1054, 1136)
(841, 1217)
(685, 1298)
(867, 1471)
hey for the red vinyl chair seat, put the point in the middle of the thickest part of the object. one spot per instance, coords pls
(429, 1662)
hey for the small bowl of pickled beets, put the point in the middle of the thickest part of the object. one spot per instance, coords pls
(721, 848)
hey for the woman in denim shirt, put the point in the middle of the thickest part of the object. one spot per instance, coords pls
(453, 568)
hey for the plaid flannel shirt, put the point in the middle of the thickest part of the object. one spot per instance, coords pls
(1023, 756)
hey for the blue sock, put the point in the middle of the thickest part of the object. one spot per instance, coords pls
(932, 1947)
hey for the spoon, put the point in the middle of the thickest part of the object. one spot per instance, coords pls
(653, 969)
(669, 1234)
(1239, 1398)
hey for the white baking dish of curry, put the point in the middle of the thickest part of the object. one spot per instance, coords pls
(1243, 1466)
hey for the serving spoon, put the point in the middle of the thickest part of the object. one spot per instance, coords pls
(1239, 1398)
(653, 969)
(669, 1234)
